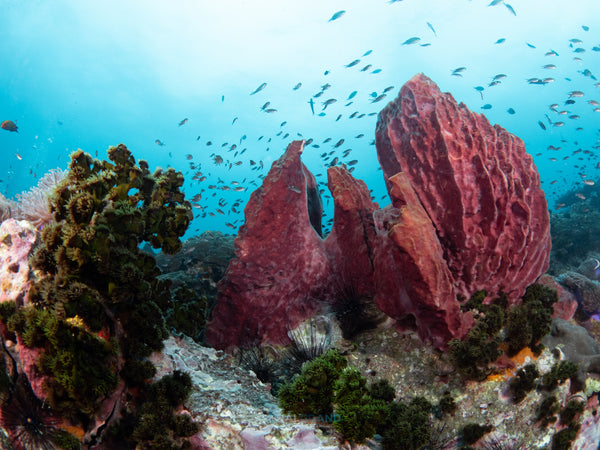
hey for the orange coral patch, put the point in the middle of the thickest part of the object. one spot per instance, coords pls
(518, 360)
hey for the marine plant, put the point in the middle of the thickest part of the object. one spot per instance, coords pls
(311, 392)
(94, 310)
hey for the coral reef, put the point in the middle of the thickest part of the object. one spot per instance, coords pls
(466, 200)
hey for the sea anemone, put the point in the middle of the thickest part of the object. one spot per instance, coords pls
(8, 208)
(34, 205)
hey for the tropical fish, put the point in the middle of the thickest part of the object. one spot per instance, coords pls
(312, 106)
(379, 98)
(499, 77)
(338, 143)
(542, 126)
(325, 86)
(432, 29)
(157, 142)
(551, 53)
(298, 86)
(270, 110)
(337, 15)
(575, 94)
(495, 2)
(510, 110)
(376, 71)
(183, 122)
(9, 125)
(367, 67)
(218, 160)
(387, 89)
(352, 95)
(258, 89)
(328, 102)
(530, 45)
(353, 63)
(486, 106)
(367, 53)
(510, 8)
(412, 40)
(500, 41)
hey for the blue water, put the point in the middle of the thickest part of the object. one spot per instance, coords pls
(93, 74)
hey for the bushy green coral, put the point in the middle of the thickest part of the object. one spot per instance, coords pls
(472, 432)
(559, 373)
(153, 424)
(547, 410)
(529, 321)
(518, 327)
(311, 393)
(97, 299)
(360, 414)
(407, 426)
(523, 382)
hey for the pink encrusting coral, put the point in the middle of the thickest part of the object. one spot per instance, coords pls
(467, 214)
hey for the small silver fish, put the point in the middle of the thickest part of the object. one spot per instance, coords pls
(412, 40)
(258, 89)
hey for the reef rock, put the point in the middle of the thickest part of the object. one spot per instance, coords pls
(587, 292)
(17, 237)
(476, 183)
(281, 264)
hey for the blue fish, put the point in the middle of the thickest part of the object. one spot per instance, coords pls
(352, 95)
(337, 15)
(312, 106)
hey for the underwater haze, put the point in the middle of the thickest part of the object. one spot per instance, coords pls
(218, 89)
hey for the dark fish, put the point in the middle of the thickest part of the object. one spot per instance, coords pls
(338, 143)
(412, 40)
(9, 125)
(387, 89)
(298, 86)
(486, 106)
(367, 67)
(312, 106)
(258, 89)
(542, 126)
(328, 102)
(183, 122)
(379, 98)
(270, 110)
(233, 121)
(338, 117)
(510, 111)
(530, 45)
(157, 142)
(337, 15)
(353, 63)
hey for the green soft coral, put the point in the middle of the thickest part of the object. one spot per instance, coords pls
(97, 299)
